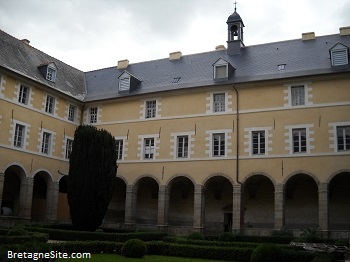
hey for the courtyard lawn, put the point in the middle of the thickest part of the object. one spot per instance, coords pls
(117, 258)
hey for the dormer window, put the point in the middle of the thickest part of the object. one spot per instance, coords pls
(339, 55)
(127, 83)
(51, 73)
(222, 70)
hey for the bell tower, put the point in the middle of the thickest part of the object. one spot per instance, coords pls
(235, 33)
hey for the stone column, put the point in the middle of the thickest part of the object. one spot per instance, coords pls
(237, 214)
(130, 206)
(198, 209)
(163, 203)
(25, 198)
(52, 201)
(323, 218)
(2, 180)
(279, 206)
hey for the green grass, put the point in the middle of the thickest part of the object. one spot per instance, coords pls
(117, 258)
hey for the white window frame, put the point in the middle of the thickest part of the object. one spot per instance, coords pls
(50, 104)
(119, 143)
(151, 108)
(51, 74)
(23, 90)
(182, 146)
(149, 148)
(308, 134)
(72, 112)
(46, 143)
(69, 147)
(219, 145)
(297, 137)
(219, 105)
(298, 95)
(345, 133)
(260, 146)
(19, 139)
(339, 55)
(93, 115)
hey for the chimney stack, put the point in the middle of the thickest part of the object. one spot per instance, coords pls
(308, 36)
(175, 55)
(25, 41)
(123, 64)
(220, 48)
(344, 30)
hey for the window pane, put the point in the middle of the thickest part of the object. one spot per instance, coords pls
(19, 132)
(299, 140)
(182, 146)
(219, 102)
(298, 95)
(149, 148)
(258, 139)
(151, 107)
(93, 115)
(119, 146)
(343, 137)
(220, 71)
(218, 144)
(45, 143)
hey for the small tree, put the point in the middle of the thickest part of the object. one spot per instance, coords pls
(92, 169)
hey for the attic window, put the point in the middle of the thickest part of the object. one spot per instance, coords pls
(124, 84)
(51, 74)
(176, 80)
(339, 55)
(281, 67)
(220, 71)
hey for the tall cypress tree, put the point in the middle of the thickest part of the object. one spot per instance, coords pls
(92, 169)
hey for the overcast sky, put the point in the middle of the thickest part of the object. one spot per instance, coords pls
(95, 34)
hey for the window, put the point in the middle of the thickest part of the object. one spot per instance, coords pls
(124, 84)
(219, 144)
(220, 71)
(219, 102)
(23, 95)
(182, 146)
(151, 109)
(148, 148)
(19, 135)
(71, 113)
(51, 74)
(176, 80)
(46, 143)
(93, 115)
(50, 104)
(69, 146)
(281, 67)
(339, 55)
(258, 142)
(299, 140)
(119, 145)
(343, 138)
(298, 95)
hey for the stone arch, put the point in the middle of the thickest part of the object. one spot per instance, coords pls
(116, 210)
(173, 178)
(14, 181)
(301, 201)
(180, 191)
(146, 190)
(337, 173)
(258, 201)
(339, 200)
(216, 175)
(218, 193)
(42, 189)
(314, 177)
(273, 181)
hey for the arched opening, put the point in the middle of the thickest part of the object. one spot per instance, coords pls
(10, 205)
(301, 202)
(181, 202)
(116, 210)
(258, 202)
(147, 201)
(218, 192)
(63, 207)
(234, 32)
(339, 202)
(42, 180)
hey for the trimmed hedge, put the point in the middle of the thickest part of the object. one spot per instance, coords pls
(135, 248)
(93, 247)
(40, 237)
(70, 235)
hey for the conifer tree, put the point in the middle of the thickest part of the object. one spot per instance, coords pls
(92, 170)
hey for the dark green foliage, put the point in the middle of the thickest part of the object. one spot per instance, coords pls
(17, 231)
(20, 239)
(135, 248)
(196, 236)
(93, 247)
(282, 233)
(92, 170)
(324, 257)
(267, 253)
(310, 235)
(227, 237)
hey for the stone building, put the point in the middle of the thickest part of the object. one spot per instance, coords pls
(250, 138)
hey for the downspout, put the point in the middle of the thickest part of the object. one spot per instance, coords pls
(237, 135)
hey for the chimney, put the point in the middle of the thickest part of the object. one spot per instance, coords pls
(175, 55)
(308, 36)
(220, 48)
(344, 30)
(123, 64)
(25, 41)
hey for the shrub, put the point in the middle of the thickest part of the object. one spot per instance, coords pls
(282, 233)
(227, 237)
(17, 231)
(310, 235)
(196, 236)
(324, 257)
(267, 252)
(134, 248)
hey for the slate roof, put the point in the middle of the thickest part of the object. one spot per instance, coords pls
(254, 63)
(25, 60)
